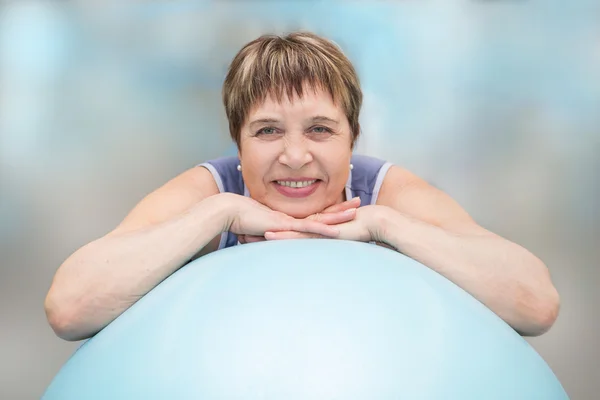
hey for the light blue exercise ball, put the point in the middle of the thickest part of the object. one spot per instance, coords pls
(306, 319)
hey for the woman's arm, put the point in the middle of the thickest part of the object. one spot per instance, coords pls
(105, 277)
(427, 225)
(424, 223)
(171, 226)
(504, 276)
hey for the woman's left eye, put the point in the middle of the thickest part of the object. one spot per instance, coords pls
(321, 129)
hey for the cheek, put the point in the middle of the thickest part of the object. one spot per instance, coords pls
(338, 171)
(340, 175)
(336, 159)
(256, 164)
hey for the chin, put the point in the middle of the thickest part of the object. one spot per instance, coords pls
(298, 210)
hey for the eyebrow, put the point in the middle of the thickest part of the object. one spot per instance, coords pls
(321, 118)
(264, 121)
(316, 118)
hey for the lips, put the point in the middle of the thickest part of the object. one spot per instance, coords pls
(297, 187)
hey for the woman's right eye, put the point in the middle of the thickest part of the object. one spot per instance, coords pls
(266, 131)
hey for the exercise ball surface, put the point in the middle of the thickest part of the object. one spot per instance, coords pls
(306, 319)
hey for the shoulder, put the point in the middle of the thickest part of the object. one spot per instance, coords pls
(398, 179)
(401, 184)
(411, 195)
(172, 198)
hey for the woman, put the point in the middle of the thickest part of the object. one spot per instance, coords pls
(293, 106)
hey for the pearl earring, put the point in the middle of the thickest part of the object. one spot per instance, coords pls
(351, 167)
(239, 167)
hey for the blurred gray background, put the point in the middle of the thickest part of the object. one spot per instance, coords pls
(495, 102)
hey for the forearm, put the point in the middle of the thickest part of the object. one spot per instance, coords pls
(104, 278)
(505, 277)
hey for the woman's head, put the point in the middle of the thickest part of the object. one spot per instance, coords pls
(293, 107)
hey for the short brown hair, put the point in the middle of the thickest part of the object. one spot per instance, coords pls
(276, 65)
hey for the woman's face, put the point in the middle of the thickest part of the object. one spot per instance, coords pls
(295, 154)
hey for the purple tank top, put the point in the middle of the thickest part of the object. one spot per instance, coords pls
(365, 180)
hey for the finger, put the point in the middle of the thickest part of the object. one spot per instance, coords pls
(304, 225)
(308, 226)
(338, 217)
(284, 235)
(352, 203)
(254, 239)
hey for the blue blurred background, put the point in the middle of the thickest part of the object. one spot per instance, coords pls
(495, 102)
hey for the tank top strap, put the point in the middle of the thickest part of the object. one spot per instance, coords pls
(229, 180)
(366, 178)
(225, 173)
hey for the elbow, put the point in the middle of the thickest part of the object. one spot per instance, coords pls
(550, 310)
(542, 315)
(63, 320)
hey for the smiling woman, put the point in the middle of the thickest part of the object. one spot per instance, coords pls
(298, 145)
(293, 107)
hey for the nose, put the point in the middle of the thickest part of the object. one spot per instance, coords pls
(296, 152)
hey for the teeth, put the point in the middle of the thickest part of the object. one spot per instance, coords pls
(294, 184)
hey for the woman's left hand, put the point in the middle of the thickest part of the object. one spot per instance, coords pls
(365, 227)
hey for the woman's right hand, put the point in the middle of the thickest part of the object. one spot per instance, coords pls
(250, 218)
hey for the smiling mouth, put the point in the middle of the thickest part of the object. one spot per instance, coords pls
(297, 184)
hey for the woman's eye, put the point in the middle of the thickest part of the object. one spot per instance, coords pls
(321, 129)
(266, 131)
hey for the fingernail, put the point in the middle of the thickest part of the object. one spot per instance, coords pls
(350, 211)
